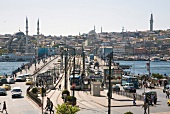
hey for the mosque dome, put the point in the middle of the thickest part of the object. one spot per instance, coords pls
(15, 39)
(92, 32)
(19, 34)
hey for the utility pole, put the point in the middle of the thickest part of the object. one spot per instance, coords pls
(109, 91)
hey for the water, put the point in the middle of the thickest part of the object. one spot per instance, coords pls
(139, 67)
(8, 67)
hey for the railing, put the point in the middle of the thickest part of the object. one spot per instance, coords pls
(130, 95)
(33, 97)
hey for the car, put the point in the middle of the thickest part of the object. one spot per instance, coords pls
(116, 88)
(129, 87)
(168, 102)
(20, 78)
(6, 86)
(3, 81)
(10, 80)
(29, 81)
(16, 92)
(3, 91)
(166, 88)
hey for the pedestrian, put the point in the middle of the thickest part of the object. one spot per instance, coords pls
(145, 106)
(167, 94)
(134, 99)
(48, 104)
(4, 107)
(51, 107)
(59, 87)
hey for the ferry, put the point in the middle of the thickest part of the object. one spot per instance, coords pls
(13, 57)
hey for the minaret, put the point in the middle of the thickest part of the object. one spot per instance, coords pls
(94, 28)
(101, 30)
(38, 32)
(123, 32)
(151, 23)
(26, 48)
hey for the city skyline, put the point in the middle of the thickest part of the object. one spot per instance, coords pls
(74, 16)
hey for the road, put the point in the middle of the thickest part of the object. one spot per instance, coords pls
(19, 105)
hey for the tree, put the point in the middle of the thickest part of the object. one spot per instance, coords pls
(66, 109)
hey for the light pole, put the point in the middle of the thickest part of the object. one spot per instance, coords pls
(35, 57)
(73, 74)
(65, 69)
(109, 91)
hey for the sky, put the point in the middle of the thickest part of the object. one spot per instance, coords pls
(69, 17)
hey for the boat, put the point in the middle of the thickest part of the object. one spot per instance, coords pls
(155, 59)
(14, 57)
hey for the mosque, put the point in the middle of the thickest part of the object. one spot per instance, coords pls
(20, 42)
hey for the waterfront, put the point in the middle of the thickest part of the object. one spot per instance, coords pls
(139, 67)
(8, 67)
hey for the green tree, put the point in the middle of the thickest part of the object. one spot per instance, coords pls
(159, 76)
(66, 109)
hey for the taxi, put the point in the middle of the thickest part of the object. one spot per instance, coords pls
(168, 102)
(29, 81)
(6, 86)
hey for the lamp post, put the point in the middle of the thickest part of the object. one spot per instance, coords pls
(35, 57)
(65, 69)
(73, 74)
(109, 91)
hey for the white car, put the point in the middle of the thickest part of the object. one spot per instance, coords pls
(16, 92)
(20, 78)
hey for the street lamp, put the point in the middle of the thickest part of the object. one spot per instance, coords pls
(109, 91)
(36, 55)
(74, 73)
(65, 69)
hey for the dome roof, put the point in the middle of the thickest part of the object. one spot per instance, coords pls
(92, 32)
(19, 34)
(15, 39)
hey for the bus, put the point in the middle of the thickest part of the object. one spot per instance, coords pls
(77, 81)
(130, 79)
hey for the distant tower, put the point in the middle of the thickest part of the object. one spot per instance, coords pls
(123, 32)
(26, 48)
(38, 32)
(151, 23)
(94, 28)
(101, 30)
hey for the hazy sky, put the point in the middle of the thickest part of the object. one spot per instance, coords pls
(69, 17)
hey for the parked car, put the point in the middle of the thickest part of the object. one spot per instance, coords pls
(16, 92)
(3, 91)
(129, 87)
(11, 80)
(166, 88)
(115, 88)
(6, 86)
(20, 78)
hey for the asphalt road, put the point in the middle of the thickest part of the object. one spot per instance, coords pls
(19, 105)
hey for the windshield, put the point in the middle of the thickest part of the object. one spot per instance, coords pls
(16, 90)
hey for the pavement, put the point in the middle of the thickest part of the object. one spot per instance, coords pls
(55, 95)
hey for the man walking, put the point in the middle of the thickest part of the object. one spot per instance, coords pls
(51, 107)
(4, 107)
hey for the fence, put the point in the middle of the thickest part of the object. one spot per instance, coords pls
(33, 97)
(130, 95)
